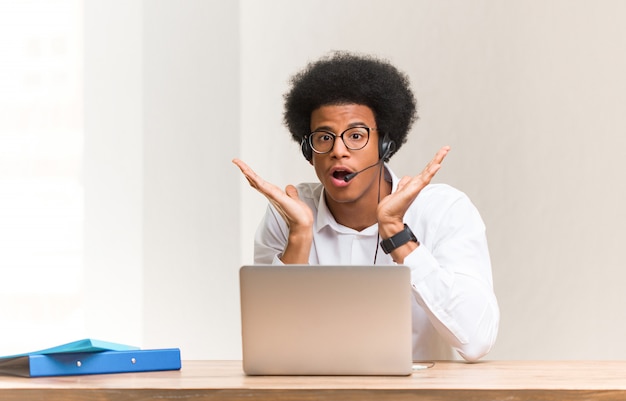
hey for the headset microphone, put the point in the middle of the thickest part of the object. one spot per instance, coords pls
(389, 147)
(350, 176)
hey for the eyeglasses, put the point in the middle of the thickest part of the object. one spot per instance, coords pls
(355, 138)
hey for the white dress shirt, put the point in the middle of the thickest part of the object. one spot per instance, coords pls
(454, 306)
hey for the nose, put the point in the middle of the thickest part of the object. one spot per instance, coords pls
(339, 148)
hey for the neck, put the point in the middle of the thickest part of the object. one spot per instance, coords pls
(361, 213)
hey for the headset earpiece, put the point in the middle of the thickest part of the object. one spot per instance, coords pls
(306, 149)
(386, 147)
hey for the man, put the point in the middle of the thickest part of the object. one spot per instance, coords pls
(351, 113)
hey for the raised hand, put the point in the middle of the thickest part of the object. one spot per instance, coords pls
(392, 208)
(297, 214)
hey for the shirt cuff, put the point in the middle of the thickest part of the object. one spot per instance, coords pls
(276, 260)
(421, 262)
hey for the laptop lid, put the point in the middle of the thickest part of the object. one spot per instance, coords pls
(326, 320)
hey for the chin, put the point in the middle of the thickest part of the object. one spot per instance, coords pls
(339, 196)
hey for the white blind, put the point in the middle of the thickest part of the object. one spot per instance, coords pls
(41, 193)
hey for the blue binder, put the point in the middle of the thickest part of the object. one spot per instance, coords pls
(84, 345)
(56, 362)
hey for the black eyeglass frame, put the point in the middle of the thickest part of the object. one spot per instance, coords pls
(309, 138)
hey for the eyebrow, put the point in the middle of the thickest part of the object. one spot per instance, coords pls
(351, 125)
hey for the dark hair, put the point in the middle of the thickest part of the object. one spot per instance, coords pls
(344, 78)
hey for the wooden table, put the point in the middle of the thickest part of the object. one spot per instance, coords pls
(224, 380)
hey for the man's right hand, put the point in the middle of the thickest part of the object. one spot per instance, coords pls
(296, 213)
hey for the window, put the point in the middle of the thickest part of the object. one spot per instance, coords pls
(41, 193)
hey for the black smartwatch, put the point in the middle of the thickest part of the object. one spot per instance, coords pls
(398, 240)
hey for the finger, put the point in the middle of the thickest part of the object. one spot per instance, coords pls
(439, 156)
(444, 150)
(430, 173)
(288, 213)
(245, 169)
(239, 163)
(267, 189)
(279, 208)
(422, 179)
(403, 181)
(292, 192)
(435, 164)
(253, 178)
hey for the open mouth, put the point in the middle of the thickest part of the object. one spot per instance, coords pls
(340, 174)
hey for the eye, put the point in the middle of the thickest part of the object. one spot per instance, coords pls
(322, 138)
(356, 135)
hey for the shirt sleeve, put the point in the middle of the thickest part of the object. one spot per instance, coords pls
(271, 238)
(451, 277)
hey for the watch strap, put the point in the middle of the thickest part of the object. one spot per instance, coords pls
(397, 240)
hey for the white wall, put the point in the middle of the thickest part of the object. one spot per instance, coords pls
(113, 171)
(162, 207)
(191, 209)
(530, 95)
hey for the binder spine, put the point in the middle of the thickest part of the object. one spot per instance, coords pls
(85, 363)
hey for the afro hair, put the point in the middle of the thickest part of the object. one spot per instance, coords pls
(347, 78)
